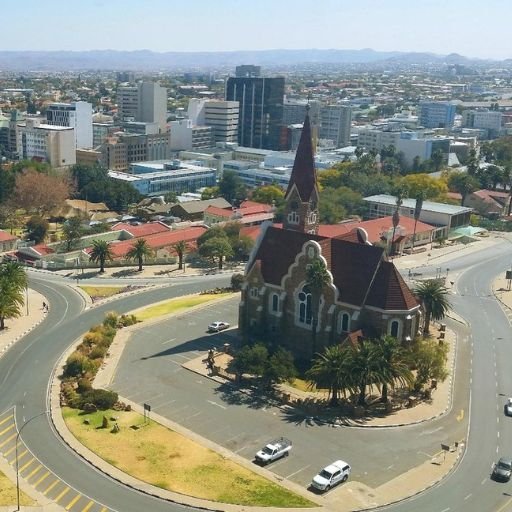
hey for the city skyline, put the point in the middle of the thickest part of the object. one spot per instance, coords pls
(459, 26)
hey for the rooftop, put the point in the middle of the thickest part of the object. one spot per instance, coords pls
(449, 209)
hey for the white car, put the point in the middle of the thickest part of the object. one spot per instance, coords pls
(331, 475)
(217, 326)
(508, 407)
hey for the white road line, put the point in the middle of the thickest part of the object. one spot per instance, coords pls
(168, 341)
(234, 437)
(391, 467)
(301, 469)
(193, 416)
(187, 358)
(483, 481)
(468, 496)
(178, 363)
(216, 404)
(165, 403)
(446, 509)
(240, 449)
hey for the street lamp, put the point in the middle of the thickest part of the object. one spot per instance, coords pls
(16, 452)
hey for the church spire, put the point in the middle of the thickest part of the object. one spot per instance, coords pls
(301, 211)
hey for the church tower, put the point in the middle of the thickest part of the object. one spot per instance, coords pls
(301, 210)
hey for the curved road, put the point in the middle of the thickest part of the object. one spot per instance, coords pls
(25, 368)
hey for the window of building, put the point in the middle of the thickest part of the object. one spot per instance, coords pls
(305, 307)
(254, 292)
(293, 217)
(394, 328)
(344, 322)
(274, 303)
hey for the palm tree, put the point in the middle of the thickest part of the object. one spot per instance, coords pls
(15, 274)
(396, 218)
(417, 212)
(330, 370)
(100, 253)
(140, 250)
(317, 277)
(392, 365)
(363, 368)
(180, 248)
(433, 295)
(13, 280)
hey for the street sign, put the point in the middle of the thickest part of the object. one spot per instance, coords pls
(445, 447)
(147, 407)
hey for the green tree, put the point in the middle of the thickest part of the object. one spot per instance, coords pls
(7, 184)
(231, 187)
(210, 193)
(392, 365)
(279, 368)
(364, 370)
(424, 184)
(37, 227)
(139, 251)
(268, 194)
(437, 159)
(430, 359)
(217, 248)
(72, 231)
(100, 253)
(331, 370)
(13, 281)
(417, 213)
(249, 360)
(171, 197)
(180, 248)
(242, 247)
(317, 278)
(462, 183)
(434, 297)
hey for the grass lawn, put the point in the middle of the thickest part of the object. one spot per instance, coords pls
(102, 291)
(8, 494)
(177, 305)
(170, 461)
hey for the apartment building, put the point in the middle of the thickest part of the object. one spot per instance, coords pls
(76, 115)
(335, 124)
(436, 114)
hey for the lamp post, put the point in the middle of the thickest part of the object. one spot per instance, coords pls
(16, 452)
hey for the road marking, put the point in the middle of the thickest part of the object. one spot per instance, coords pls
(21, 455)
(216, 404)
(483, 481)
(73, 501)
(460, 416)
(168, 341)
(44, 477)
(468, 496)
(193, 416)
(51, 486)
(6, 419)
(166, 403)
(240, 449)
(426, 454)
(33, 472)
(446, 509)
(88, 506)
(428, 432)
(505, 505)
(10, 438)
(10, 427)
(104, 509)
(301, 469)
(9, 451)
(62, 494)
(390, 467)
(26, 465)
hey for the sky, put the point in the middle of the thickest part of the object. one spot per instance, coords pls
(474, 28)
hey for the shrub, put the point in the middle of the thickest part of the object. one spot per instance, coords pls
(111, 319)
(92, 338)
(98, 352)
(237, 281)
(126, 320)
(101, 398)
(84, 385)
(76, 365)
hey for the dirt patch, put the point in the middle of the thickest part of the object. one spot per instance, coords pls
(8, 494)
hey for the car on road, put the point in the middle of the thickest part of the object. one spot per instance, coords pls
(274, 450)
(217, 326)
(508, 407)
(502, 470)
(331, 475)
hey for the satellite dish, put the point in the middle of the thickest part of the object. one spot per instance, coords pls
(362, 236)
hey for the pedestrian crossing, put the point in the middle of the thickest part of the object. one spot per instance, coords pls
(34, 473)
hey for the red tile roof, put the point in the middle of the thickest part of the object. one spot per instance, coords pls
(149, 228)
(220, 212)
(6, 237)
(261, 207)
(303, 173)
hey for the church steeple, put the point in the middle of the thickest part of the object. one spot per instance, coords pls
(301, 212)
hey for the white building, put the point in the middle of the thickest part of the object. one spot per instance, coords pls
(77, 115)
(186, 136)
(375, 139)
(52, 144)
(145, 102)
(335, 124)
(222, 116)
(482, 119)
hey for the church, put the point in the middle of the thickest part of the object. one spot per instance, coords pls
(365, 297)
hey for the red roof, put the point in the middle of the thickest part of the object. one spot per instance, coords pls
(251, 231)
(6, 237)
(159, 240)
(303, 173)
(141, 230)
(220, 212)
(255, 207)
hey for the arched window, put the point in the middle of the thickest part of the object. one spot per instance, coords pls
(394, 328)
(274, 303)
(293, 217)
(305, 308)
(344, 322)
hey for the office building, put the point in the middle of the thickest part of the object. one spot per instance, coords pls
(248, 71)
(102, 131)
(222, 116)
(145, 102)
(185, 136)
(335, 124)
(294, 112)
(47, 143)
(76, 115)
(261, 110)
(374, 139)
(434, 114)
(488, 120)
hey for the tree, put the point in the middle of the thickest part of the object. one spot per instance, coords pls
(180, 248)
(250, 360)
(424, 184)
(363, 368)
(430, 359)
(462, 183)
(392, 365)
(13, 281)
(140, 250)
(330, 370)
(231, 187)
(437, 159)
(317, 277)
(40, 192)
(72, 231)
(279, 368)
(100, 253)
(210, 193)
(242, 247)
(37, 227)
(7, 184)
(216, 248)
(268, 194)
(171, 197)
(434, 297)
(417, 213)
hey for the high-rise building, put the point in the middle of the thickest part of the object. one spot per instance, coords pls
(49, 143)
(248, 71)
(77, 115)
(294, 112)
(222, 116)
(187, 136)
(261, 110)
(145, 102)
(436, 114)
(483, 119)
(335, 124)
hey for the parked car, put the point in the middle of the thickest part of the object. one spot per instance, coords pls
(508, 407)
(502, 470)
(274, 450)
(217, 326)
(331, 475)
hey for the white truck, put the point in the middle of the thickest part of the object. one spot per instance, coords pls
(331, 475)
(274, 450)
